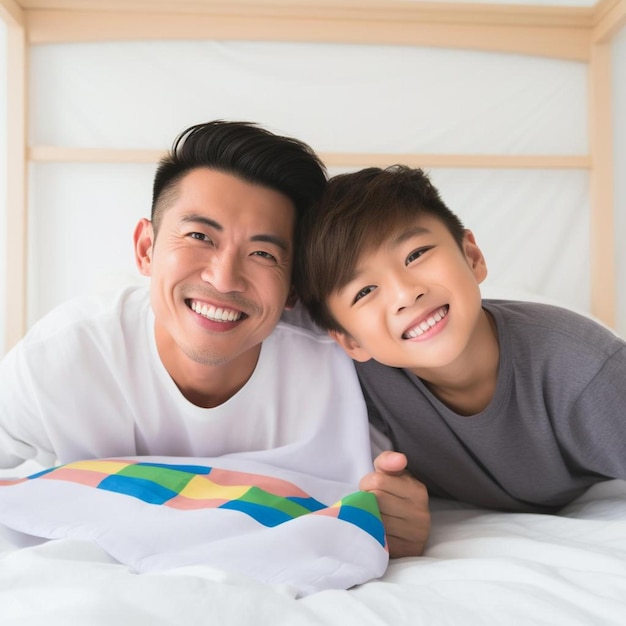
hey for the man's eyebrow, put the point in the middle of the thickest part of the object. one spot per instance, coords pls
(279, 242)
(201, 219)
(273, 239)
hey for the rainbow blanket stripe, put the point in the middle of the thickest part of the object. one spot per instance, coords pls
(269, 501)
(243, 516)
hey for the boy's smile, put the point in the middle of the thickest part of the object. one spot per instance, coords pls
(424, 326)
(414, 301)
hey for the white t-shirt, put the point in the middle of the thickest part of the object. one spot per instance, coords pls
(87, 382)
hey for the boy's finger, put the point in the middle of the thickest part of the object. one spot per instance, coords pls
(390, 462)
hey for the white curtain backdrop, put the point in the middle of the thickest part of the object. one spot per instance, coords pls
(336, 97)
(531, 224)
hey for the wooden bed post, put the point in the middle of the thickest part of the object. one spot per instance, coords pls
(603, 285)
(609, 18)
(16, 219)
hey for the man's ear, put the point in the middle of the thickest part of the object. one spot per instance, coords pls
(143, 238)
(350, 345)
(474, 256)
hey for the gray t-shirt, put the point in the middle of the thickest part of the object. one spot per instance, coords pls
(555, 426)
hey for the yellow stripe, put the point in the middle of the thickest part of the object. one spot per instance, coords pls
(200, 488)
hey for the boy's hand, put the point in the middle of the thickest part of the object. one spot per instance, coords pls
(403, 503)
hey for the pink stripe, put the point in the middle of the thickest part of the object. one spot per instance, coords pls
(83, 477)
(331, 511)
(5, 482)
(228, 478)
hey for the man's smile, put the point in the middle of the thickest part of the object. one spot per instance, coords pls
(213, 313)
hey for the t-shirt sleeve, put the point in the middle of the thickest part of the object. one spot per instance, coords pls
(380, 434)
(596, 435)
(22, 437)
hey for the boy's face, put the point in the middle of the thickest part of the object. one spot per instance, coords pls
(413, 302)
(220, 269)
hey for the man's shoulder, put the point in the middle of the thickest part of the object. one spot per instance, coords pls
(298, 317)
(303, 346)
(297, 324)
(290, 332)
(92, 311)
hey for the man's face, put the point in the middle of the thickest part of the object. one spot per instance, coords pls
(414, 302)
(220, 268)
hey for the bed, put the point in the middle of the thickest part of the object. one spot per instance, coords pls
(514, 115)
(480, 568)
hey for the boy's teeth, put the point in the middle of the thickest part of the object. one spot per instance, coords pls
(215, 314)
(427, 324)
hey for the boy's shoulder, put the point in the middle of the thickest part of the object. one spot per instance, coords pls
(539, 322)
(538, 312)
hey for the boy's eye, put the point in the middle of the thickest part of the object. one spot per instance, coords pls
(363, 292)
(416, 254)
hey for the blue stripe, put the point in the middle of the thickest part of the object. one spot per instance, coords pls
(262, 514)
(145, 490)
(364, 520)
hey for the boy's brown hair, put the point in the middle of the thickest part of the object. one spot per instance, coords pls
(357, 213)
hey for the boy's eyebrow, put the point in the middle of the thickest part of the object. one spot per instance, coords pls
(411, 232)
(263, 237)
(401, 238)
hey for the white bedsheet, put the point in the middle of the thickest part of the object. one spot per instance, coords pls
(480, 568)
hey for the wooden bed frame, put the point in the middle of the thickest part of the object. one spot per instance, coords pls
(573, 33)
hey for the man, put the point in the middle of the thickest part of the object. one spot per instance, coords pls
(200, 364)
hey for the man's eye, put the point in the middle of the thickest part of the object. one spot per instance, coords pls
(416, 254)
(199, 236)
(363, 292)
(265, 255)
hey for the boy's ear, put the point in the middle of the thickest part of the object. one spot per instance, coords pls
(474, 256)
(292, 299)
(351, 347)
(143, 238)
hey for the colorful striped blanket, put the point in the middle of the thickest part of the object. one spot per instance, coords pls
(155, 513)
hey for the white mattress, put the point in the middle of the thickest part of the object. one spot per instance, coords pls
(480, 568)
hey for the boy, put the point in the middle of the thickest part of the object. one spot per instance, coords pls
(509, 405)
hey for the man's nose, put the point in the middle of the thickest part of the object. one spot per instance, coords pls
(225, 272)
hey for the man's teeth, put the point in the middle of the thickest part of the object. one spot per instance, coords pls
(427, 324)
(216, 314)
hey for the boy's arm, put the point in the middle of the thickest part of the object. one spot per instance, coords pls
(403, 503)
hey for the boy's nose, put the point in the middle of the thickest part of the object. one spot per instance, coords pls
(225, 273)
(406, 292)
